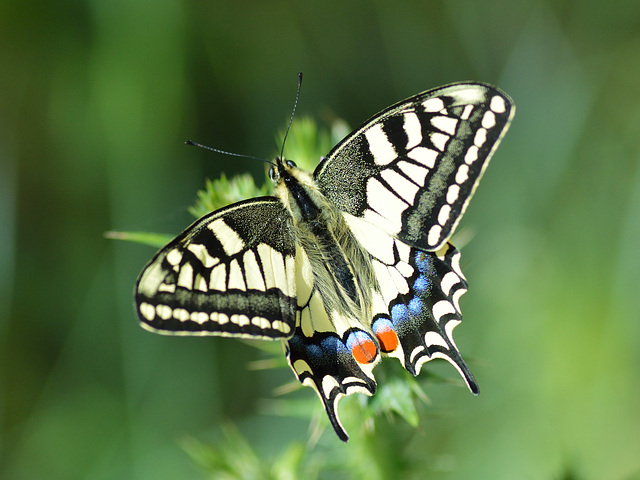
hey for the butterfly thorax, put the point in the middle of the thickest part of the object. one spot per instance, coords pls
(340, 266)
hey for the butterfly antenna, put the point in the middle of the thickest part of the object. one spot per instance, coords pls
(293, 112)
(224, 152)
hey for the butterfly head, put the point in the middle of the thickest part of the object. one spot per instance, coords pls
(281, 170)
(284, 173)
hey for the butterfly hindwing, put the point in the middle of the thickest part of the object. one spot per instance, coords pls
(417, 295)
(329, 352)
(424, 318)
(413, 168)
(325, 362)
(230, 273)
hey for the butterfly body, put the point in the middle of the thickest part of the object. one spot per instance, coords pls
(350, 263)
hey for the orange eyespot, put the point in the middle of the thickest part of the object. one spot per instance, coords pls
(364, 351)
(388, 339)
(386, 335)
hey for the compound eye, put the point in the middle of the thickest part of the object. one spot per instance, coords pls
(290, 164)
(272, 173)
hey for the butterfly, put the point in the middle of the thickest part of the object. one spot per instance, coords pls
(349, 263)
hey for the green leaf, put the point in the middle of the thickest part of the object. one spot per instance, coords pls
(233, 458)
(223, 191)
(156, 240)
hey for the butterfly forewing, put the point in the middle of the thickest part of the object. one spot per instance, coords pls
(412, 169)
(230, 273)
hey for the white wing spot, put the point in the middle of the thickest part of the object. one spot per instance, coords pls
(381, 149)
(413, 129)
(415, 172)
(199, 317)
(433, 105)
(433, 338)
(229, 238)
(444, 214)
(200, 283)
(498, 104)
(416, 351)
(236, 280)
(165, 287)
(387, 285)
(274, 268)
(181, 314)
(462, 175)
(446, 124)
(164, 312)
(290, 278)
(239, 319)
(261, 322)
(448, 329)
(222, 318)
(405, 269)
(403, 188)
(202, 254)
(281, 326)
(471, 155)
(488, 119)
(328, 384)
(185, 277)
(434, 235)
(439, 140)
(147, 311)
(456, 298)
(480, 138)
(174, 257)
(255, 280)
(466, 113)
(455, 264)
(442, 308)
(218, 278)
(424, 155)
(448, 281)
(452, 193)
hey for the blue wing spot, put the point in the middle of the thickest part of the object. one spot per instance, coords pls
(415, 306)
(381, 324)
(421, 285)
(332, 346)
(399, 313)
(314, 351)
(422, 261)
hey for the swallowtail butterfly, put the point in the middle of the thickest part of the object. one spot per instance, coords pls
(350, 263)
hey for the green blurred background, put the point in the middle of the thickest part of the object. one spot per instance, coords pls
(96, 100)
